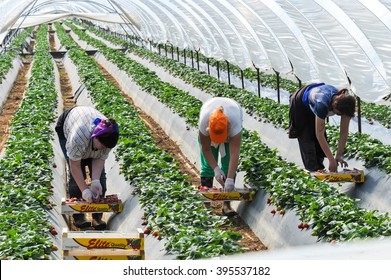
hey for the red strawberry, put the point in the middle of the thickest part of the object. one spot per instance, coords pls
(306, 225)
(159, 238)
(269, 201)
(300, 226)
(282, 212)
(273, 211)
(53, 231)
(147, 231)
(155, 233)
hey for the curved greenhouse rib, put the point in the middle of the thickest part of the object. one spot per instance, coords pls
(248, 37)
(225, 42)
(186, 22)
(196, 17)
(174, 31)
(300, 39)
(84, 6)
(362, 41)
(240, 53)
(147, 17)
(325, 43)
(284, 55)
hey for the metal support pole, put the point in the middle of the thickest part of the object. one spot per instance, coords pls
(192, 59)
(172, 52)
(359, 114)
(228, 71)
(218, 70)
(207, 63)
(198, 60)
(278, 85)
(300, 84)
(177, 53)
(165, 48)
(259, 82)
(184, 56)
(242, 76)
(17, 29)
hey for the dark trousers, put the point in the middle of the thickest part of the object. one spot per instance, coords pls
(302, 122)
(73, 188)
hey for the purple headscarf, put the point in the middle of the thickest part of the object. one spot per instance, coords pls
(104, 127)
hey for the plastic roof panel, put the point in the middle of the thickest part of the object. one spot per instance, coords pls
(316, 40)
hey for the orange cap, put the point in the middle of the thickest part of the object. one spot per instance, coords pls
(218, 126)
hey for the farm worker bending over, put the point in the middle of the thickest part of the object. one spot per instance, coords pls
(220, 132)
(86, 137)
(309, 108)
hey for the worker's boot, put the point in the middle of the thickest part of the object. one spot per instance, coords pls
(97, 222)
(207, 182)
(227, 210)
(80, 221)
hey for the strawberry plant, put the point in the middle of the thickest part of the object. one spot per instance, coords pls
(25, 169)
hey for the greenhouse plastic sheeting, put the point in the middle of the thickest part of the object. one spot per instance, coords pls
(344, 43)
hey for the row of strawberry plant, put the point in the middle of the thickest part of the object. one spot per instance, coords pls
(7, 57)
(332, 215)
(26, 169)
(378, 112)
(166, 195)
(359, 145)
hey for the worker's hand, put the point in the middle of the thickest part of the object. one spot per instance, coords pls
(333, 165)
(219, 175)
(96, 188)
(229, 185)
(87, 195)
(340, 161)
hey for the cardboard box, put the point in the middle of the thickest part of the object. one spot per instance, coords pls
(102, 255)
(74, 207)
(245, 195)
(347, 175)
(101, 240)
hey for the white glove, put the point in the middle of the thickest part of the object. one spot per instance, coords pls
(96, 188)
(219, 175)
(229, 185)
(87, 195)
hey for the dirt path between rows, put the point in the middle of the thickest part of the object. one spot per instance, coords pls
(12, 104)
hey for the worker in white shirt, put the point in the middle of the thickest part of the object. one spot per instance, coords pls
(220, 132)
